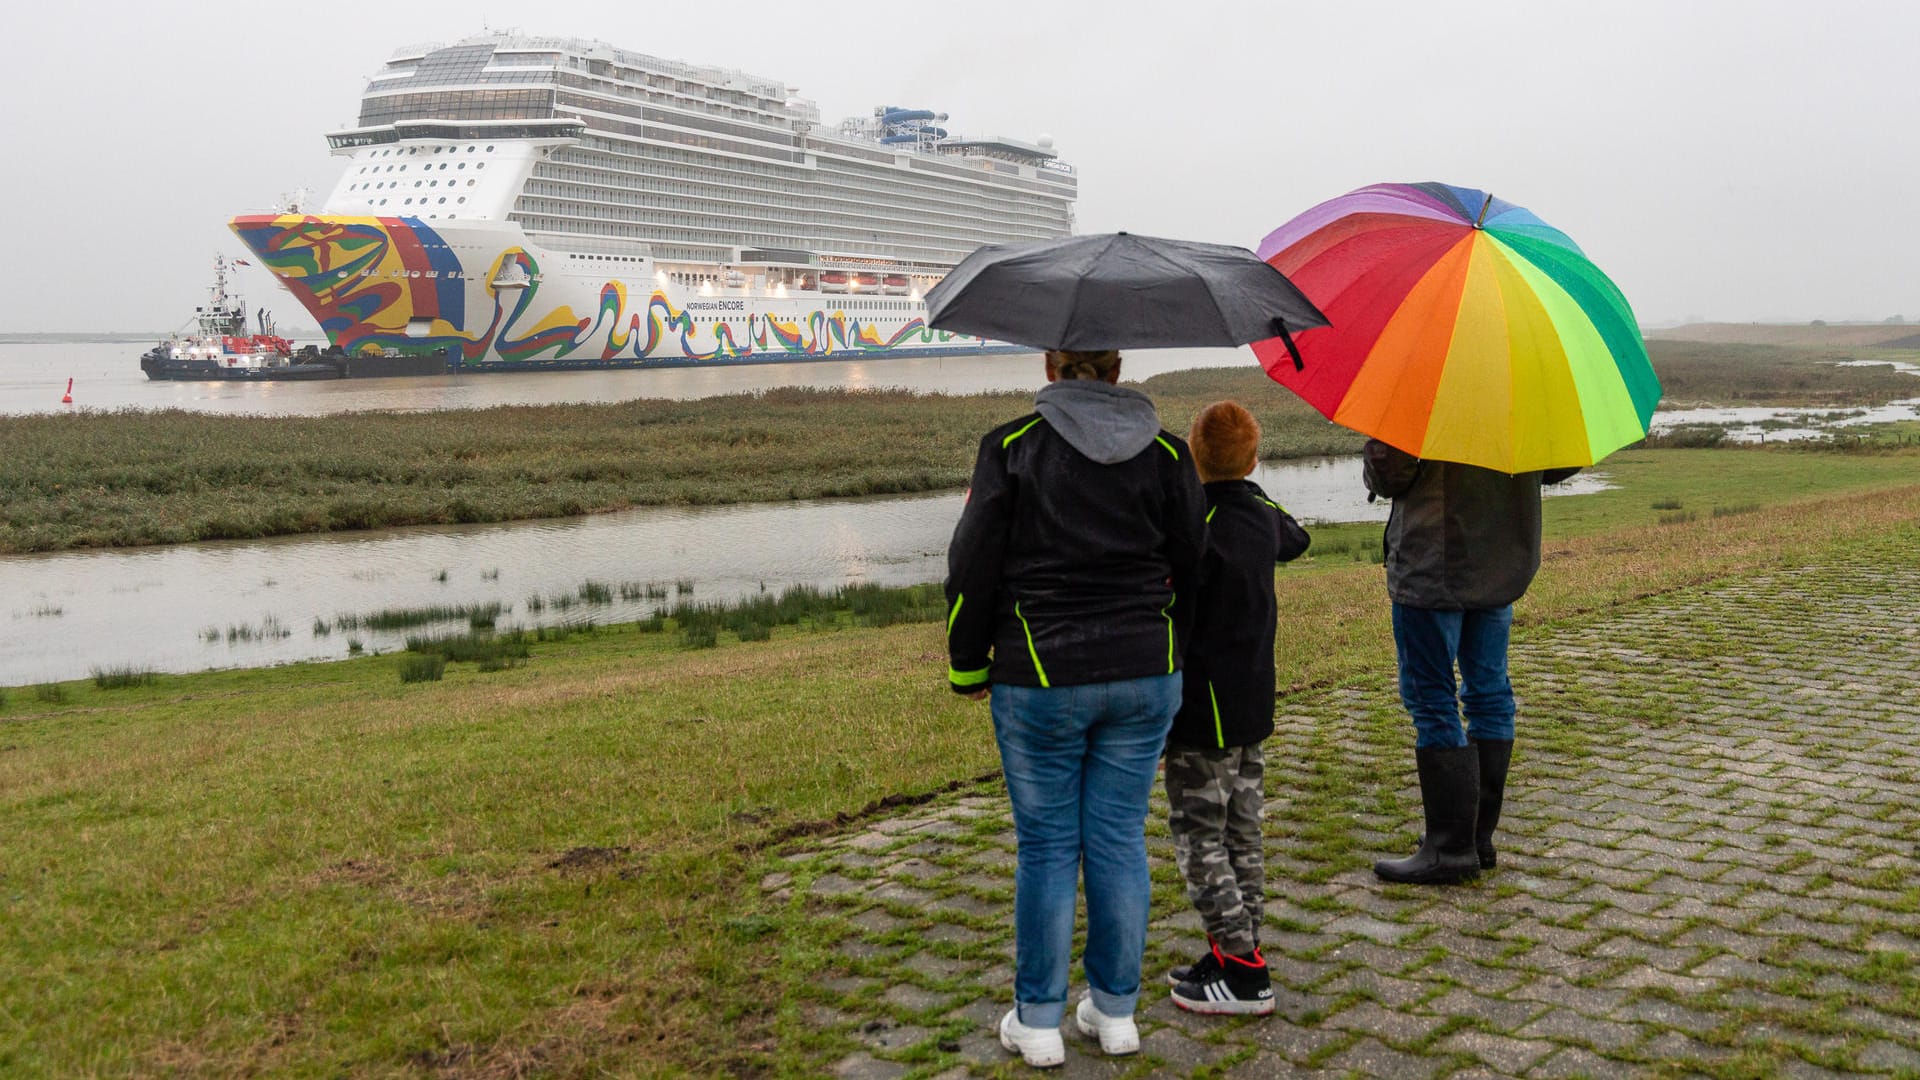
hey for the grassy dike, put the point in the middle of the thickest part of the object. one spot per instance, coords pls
(550, 869)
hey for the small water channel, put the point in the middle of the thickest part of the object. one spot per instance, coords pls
(190, 607)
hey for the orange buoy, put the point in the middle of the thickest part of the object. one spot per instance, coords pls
(67, 399)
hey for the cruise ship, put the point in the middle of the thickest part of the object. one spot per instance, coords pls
(528, 202)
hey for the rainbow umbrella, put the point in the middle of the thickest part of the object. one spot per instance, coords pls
(1464, 328)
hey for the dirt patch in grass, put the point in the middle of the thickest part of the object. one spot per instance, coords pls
(587, 858)
(876, 808)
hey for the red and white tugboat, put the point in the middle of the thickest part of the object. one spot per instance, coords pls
(222, 346)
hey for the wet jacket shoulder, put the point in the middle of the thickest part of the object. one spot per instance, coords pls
(1459, 537)
(1076, 559)
(1228, 688)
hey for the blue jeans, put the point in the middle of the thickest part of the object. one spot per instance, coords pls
(1080, 764)
(1429, 644)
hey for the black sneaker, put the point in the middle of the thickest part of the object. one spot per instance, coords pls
(1198, 971)
(1239, 986)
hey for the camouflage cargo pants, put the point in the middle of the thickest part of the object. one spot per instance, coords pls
(1215, 798)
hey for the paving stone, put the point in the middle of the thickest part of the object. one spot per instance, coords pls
(868, 1067)
(885, 1035)
(1179, 1051)
(1295, 1043)
(1884, 1056)
(877, 921)
(1368, 1018)
(835, 885)
(916, 999)
(1575, 1062)
(1563, 1025)
(1382, 988)
(1371, 928)
(1510, 1056)
(1672, 1046)
(1499, 1014)
(1370, 1058)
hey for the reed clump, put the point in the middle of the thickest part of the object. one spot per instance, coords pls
(429, 668)
(469, 648)
(124, 677)
(753, 618)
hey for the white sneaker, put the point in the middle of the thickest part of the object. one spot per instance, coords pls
(1117, 1034)
(1041, 1048)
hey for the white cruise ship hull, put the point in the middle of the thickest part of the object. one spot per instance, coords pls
(483, 293)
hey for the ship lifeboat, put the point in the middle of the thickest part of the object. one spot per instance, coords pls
(833, 281)
(894, 284)
(866, 281)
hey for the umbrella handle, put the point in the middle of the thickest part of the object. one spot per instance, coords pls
(1292, 349)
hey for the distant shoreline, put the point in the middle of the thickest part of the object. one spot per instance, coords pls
(105, 337)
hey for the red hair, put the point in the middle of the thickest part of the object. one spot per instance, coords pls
(1225, 441)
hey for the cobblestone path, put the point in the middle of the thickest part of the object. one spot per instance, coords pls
(1707, 868)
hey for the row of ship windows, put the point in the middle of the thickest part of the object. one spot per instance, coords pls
(428, 167)
(384, 184)
(423, 201)
(409, 151)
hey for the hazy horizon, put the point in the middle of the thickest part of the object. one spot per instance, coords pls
(1734, 162)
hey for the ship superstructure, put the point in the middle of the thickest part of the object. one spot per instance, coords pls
(517, 200)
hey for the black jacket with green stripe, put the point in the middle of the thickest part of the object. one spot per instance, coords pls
(1064, 571)
(1227, 695)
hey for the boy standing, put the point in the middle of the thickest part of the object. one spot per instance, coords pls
(1214, 766)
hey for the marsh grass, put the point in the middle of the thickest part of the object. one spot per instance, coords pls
(425, 668)
(387, 620)
(50, 693)
(392, 896)
(95, 480)
(1726, 374)
(752, 618)
(467, 648)
(124, 677)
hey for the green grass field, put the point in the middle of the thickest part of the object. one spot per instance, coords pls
(550, 869)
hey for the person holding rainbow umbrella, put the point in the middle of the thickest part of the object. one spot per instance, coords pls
(1484, 355)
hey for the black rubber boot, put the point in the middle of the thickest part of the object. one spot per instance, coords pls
(1494, 756)
(1450, 794)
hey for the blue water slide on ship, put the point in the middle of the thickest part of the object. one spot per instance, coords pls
(911, 126)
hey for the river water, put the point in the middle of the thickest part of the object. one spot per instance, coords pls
(189, 607)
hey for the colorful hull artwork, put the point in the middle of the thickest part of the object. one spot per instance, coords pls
(380, 283)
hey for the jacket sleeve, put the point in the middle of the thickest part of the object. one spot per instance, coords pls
(1555, 476)
(1293, 536)
(1388, 473)
(1186, 531)
(973, 570)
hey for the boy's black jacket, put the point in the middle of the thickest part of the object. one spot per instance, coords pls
(1064, 571)
(1228, 685)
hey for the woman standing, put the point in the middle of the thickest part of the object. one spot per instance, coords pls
(1082, 534)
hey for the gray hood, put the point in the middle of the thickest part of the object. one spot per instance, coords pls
(1109, 424)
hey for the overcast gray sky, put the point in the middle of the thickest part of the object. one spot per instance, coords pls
(1721, 159)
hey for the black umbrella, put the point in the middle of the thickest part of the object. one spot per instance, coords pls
(1119, 291)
